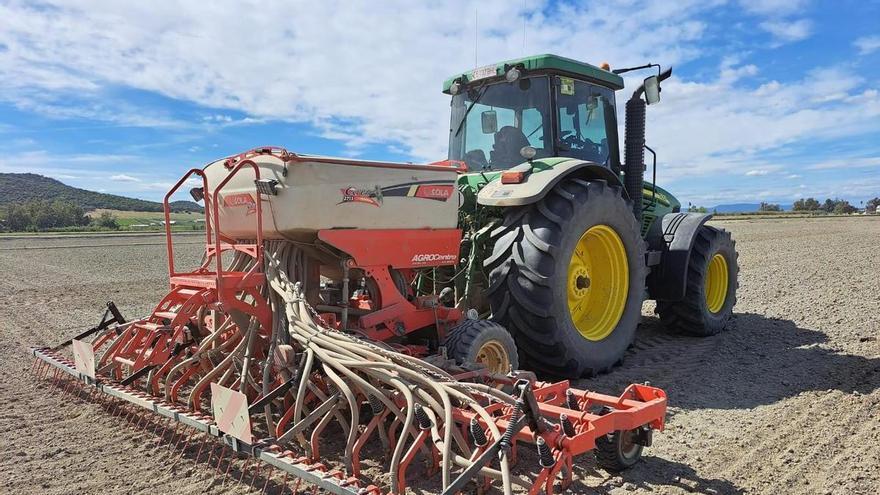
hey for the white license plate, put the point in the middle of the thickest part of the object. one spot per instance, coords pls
(483, 72)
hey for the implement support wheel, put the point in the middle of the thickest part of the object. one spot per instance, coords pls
(484, 342)
(619, 450)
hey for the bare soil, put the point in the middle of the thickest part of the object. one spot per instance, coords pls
(787, 400)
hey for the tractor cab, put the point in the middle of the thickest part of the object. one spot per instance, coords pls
(537, 107)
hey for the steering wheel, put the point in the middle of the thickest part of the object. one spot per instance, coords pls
(587, 148)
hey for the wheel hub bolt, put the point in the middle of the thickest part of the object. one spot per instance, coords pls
(582, 282)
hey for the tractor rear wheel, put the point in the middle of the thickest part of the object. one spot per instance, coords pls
(567, 278)
(712, 281)
(482, 342)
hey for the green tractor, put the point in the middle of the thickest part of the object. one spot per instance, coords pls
(563, 240)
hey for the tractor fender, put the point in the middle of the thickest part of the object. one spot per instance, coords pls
(538, 183)
(674, 239)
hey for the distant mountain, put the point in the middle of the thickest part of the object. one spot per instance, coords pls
(742, 207)
(18, 188)
(735, 208)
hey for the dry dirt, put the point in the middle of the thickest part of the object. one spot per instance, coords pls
(787, 400)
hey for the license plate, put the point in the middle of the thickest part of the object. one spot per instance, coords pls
(483, 72)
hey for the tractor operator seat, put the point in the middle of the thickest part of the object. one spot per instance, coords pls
(508, 141)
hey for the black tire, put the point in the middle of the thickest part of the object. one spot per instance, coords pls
(528, 277)
(464, 341)
(616, 452)
(691, 315)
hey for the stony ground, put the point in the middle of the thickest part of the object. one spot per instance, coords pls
(786, 401)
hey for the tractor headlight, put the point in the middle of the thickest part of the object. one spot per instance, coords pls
(512, 74)
(455, 87)
(528, 152)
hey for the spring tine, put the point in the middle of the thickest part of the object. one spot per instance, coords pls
(284, 483)
(228, 467)
(211, 453)
(172, 444)
(183, 437)
(244, 469)
(220, 458)
(185, 446)
(199, 454)
(163, 423)
(266, 483)
(258, 468)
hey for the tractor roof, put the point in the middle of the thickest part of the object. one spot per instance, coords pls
(546, 62)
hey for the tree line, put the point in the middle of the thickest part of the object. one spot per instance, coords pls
(838, 206)
(41, 215)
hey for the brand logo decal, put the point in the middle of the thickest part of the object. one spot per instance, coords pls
(432, 258)
(439, 192)
(241, 199)
(361, 195)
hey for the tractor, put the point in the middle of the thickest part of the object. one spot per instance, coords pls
(563, 240)
(407, 307)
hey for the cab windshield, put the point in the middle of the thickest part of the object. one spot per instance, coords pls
(491, 124)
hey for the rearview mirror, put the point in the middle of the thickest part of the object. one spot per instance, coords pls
(652, 90)
(489, 121)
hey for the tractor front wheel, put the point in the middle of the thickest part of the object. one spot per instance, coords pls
(711, 286)
(567, 278)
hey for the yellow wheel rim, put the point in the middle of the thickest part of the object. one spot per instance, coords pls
(494, 356)
(598, 282)
(716, 283)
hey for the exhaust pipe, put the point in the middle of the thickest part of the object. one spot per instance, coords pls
(634, 143)
(634, 152)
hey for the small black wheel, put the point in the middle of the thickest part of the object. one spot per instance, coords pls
(484, 342)
(618, 451)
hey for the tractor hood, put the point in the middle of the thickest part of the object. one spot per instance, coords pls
(544, 174)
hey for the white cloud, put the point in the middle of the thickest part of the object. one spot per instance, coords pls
(367, 73)
(788, 31)
(867, 44)
(756, 172)
(124, 178)
(793, 176)
(361, 72)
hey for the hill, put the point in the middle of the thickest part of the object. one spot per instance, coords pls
(19, 188)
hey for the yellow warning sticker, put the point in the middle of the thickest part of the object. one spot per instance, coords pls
(566, 85)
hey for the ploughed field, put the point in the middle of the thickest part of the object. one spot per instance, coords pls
(786, 401)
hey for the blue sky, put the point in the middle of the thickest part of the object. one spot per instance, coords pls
(770, 100)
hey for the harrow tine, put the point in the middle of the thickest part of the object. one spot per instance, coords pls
(211, 453)
(284, 483)
(269, 477)
(244, 469)
(220, 458)
(228, 467)
(258, 468)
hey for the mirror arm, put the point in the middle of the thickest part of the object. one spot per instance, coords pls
(660, 77)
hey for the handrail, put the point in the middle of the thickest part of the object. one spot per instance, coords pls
(259, 206)
(167, 208)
